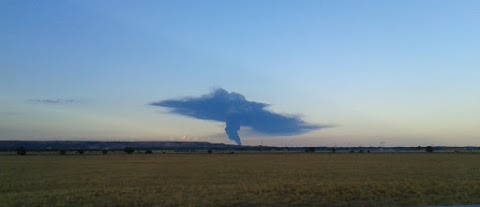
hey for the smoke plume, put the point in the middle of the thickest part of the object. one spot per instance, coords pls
(236, 111)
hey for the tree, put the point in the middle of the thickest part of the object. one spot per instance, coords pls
(80, 151)
(104, 151)
(334, 150)
(63, 152)
(360, 149)
(129, 150)
(148, 152)
(310, 149)
(209, 151)
(429, 149)
(21, 151)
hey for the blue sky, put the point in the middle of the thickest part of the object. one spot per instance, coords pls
(402, 72)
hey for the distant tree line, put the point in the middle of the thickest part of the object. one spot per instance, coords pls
(128, 150)
(21, 150)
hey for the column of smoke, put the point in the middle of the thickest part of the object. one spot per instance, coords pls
(232, 127)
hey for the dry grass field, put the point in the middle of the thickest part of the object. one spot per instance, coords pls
(241, 179)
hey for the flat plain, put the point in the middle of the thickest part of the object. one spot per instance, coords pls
(240, 179)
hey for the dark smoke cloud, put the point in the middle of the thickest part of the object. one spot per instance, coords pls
(236, 111)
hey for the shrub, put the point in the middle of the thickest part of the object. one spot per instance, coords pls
(63, 152)
(21, 151)
(148, 152)
(209, 151)
(104, 152)
(129, 150)
(80, 151)
(334, 150)
(429, 149)
(310, 149)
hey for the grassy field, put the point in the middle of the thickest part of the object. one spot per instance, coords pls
(241, 179)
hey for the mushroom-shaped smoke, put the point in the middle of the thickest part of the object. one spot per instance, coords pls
(233, 109)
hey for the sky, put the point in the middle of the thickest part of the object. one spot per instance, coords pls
(403, 73)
